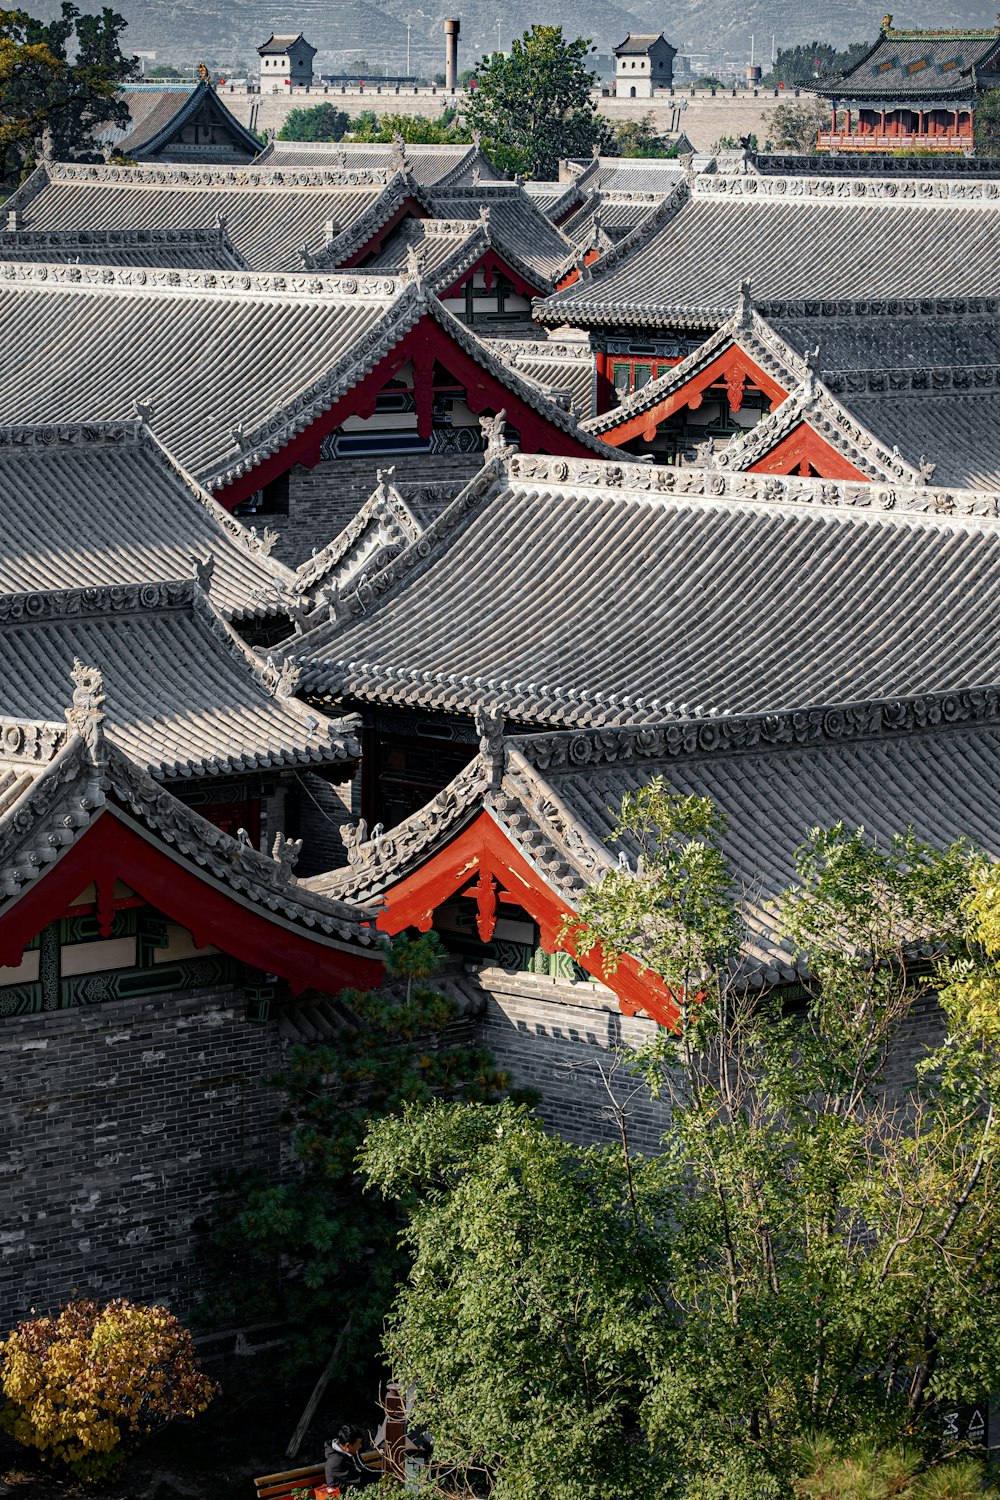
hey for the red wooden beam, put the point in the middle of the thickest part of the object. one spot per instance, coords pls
(408, 209)
(109, 849)
(803, 451)
(483, 853)
(424, 343)
(733, 367)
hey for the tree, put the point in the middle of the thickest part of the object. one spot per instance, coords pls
(813, 1252)
(533, 105)
(45, 94)
(414, 129)
(986, 123)
(304, 1246)
(324, 122)
(802, 64)
(638, 138)
(84, 1387)
(795, 126)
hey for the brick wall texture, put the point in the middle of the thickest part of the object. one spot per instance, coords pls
(116, 1120)
(321, 501)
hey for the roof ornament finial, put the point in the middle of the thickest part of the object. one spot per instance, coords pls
(744, 305)
(927, 469)
(398, 155)
(705, 453)
(142, 410)
(477, 177)
(286, 852)
(494, 431)
(86, 714)
(477, 140)
(414, 270)
(220, 222)
(812, 366)
(384, 478)
(490, 729)
(887, 23)
(484, 215)
(203, 568)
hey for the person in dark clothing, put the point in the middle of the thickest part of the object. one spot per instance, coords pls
(344, 1469)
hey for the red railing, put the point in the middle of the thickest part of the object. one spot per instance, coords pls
(828, 141)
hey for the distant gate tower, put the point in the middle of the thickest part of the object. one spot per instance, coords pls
(451, 32)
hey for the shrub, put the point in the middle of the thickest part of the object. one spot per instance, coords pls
(84, 1387)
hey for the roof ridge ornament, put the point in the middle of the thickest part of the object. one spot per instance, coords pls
(494, 430)
(383, 479)
(744, 305)
(490, 726)
(484, 216)
(286, 852)
(86, 715)
(812, 366)
(398, 154)
(203, 568)
(143, 410)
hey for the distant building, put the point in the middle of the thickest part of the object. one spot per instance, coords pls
(913, 89)
(178, 123)
(642, 64)
(285, 61)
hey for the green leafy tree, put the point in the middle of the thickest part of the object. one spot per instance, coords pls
(813, 1252)
(324, 122)
(811, 60)
(58, 81)
(533, 105)
(415, 129)
(638, 138)
(986, 123)
(794, 126)
(307, 1246)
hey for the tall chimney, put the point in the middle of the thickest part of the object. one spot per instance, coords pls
(451, 31)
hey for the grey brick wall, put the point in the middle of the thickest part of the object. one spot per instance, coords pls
(322, 500)
(115, 1121)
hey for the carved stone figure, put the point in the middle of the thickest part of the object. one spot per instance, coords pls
(86, 715)
(286, 852)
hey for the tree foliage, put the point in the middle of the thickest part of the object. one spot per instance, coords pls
(810, 60)
(533, 104)
(304, 1246)
(324, 122)
(794, 126)
(58, 81)
(814, 1249)
(986, 123)
(638, 138)
(415, 129)
(85, 1386)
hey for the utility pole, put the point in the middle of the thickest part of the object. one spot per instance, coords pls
(499, 48)
(407, 49)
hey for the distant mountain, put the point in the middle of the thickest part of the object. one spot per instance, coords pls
(710, 31)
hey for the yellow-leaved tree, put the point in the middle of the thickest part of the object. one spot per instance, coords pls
(86, 1386)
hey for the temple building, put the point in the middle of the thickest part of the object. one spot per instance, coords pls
(654, 297)
(288, 381)
(179, 123)
(424, 639)
(900, 391)
(914, 90)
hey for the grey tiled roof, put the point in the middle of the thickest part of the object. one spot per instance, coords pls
(555, 365)
(555, 199)
(913, 65)
(446, 248)
(930, 763)
(192, 249)
(427, 165)
(793, 237)
(281, 43)
(184, 696)
(614, 214)
(270, 215)
(91, 506)
(794, 592)
(68, 788)
(158, 114)
(897, 385)
(383, 526)
(517, 221)
(637, 42)
(263, 355)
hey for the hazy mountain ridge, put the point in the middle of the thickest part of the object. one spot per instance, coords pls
(344, 30)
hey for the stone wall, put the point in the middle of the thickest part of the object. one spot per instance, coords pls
(556, 1036)
(116, 1120)
(321, 501)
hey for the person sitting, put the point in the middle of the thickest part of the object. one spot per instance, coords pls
(344, 1468)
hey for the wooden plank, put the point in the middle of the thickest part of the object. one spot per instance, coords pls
(314, 1399)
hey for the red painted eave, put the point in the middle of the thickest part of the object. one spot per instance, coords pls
(112, 849)
(482, 852)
